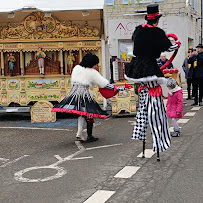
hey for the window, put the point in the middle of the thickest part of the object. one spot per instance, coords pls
(125, 50)
(125, 2)
(196, 5)
(109, 2)
(142, 1)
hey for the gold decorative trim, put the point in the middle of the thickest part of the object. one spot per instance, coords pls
(38, 27)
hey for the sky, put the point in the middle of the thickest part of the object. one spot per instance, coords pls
(50, 5)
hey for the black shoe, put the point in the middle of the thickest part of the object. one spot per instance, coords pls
(194, 104)
(175, 134)
(92, 139)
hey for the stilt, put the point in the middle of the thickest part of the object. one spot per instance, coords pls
(158, 158)
(143, 150)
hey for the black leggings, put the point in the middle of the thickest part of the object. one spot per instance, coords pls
(198, 84)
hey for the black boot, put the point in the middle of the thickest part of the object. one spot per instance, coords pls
(90, 138)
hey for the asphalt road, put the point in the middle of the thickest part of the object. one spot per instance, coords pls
(47, 166)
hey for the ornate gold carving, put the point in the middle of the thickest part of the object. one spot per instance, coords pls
(88, 31)
(37, 26)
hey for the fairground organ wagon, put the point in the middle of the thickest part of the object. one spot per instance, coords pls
(64, 37)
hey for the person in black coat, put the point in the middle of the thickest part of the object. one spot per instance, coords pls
(189, 74)
(196, 58)
(163, 60)
(149, 42)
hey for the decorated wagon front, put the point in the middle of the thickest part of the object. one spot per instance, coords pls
(39, 51)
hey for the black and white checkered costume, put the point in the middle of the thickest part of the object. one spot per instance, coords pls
(152, 111)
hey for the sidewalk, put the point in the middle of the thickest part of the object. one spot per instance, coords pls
(177, 178)
(186, 184)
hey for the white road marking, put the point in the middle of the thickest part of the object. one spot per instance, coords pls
(195, 108)
(183, 120)
(104, 146)
(82, 158)
(58, 157)
(100, 196)
(132, 122)
(28, 128)
(3, 160)
(15, 160)
(127, 172)
(190, 114)
(172, 129)
(185, 96)
(79, 145)
(148, 153)
(19, 175)
(60, 171)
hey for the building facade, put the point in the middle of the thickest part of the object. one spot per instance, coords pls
(182, 17)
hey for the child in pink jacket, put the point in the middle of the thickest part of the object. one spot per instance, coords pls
(174, 104)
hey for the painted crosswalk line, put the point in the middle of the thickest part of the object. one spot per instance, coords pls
(100, 196)
(196, 108)
(190, 114)
(183, 120)
(172, 129)
(148, 153)
(127, 172)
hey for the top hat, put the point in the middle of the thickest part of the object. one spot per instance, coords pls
(199, 46)
(152, 12)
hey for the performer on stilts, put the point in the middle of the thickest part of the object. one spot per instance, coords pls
(79, 101)
(149, 42)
